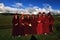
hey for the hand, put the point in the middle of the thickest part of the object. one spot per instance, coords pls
(16, 24)
(22, 23)
(30, 25)
(39, 21)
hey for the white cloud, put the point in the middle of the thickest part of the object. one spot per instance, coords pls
(6, 9)
(1, 7)
(18, 5)
(47, 7)
(28, 10)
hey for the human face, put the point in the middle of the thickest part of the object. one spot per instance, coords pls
(28, 16)
(23, 17)
(49, 16)
(33, 16)
(15, 16)
(39, 15)
(43, 14)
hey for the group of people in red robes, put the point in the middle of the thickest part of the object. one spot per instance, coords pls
(41, 23)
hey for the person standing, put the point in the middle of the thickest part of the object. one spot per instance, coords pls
(39, 25)
(34, 24)
(45, 24)
(15, 23)
(21, 25)
(27, 25)
(51, 21)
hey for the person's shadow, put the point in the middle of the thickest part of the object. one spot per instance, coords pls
(33, 37)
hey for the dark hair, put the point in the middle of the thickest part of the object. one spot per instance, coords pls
(43, 12)
(38, 13)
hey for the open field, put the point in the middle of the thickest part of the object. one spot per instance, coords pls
(6, 27)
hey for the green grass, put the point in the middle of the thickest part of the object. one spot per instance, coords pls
(6, 30)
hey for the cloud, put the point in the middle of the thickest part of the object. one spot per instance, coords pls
(49, 8)
(10, 10)
(36, 7)
(30, 5)
(6, 9)
(28, 10)
(46, 5)
(17, 5)
(1, 7)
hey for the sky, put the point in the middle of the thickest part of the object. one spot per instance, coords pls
(30, 5)
(54, 3)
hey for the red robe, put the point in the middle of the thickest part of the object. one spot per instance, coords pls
(34, 25)
(15, 29)
(21, 27)
(39, 26)
(51, 23)
(45, 24)
(27, 27)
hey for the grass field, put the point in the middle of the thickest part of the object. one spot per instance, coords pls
(6, 27)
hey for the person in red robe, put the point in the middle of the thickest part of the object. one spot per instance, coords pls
(21, 25)
(51, 21)
(15, 23)
(27, 25)
(39, 25)
(34, 24)
(45, 24)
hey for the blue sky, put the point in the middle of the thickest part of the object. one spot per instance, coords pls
(54, 3)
